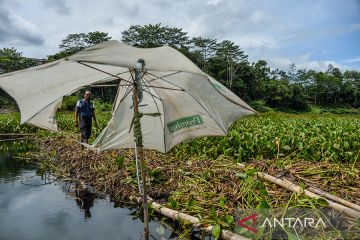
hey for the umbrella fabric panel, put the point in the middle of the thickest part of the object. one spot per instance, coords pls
(116, 53)
(186, 119)
(117, 134)
(37, 88)
(223, 106)
(46, 118)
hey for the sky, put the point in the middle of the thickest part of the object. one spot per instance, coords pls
(311, 34)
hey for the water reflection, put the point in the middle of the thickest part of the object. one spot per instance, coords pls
(36, 207)
(85, 200)
(10, 165)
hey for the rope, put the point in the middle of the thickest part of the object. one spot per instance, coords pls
(137, 126)
(137, 129)
(138, 139)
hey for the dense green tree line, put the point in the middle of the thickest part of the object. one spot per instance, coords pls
(255, 82)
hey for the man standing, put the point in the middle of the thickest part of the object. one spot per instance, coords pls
(85, 110)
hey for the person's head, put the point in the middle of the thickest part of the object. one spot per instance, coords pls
(87, 95)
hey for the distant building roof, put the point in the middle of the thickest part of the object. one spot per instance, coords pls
(40, 61)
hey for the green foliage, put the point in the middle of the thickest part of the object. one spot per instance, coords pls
(216, 231)
(69, 103)
(10, 123)
(273, 135)
(148, 36)
(12, 60)
(6, 101)
(173, 203)
(102, 106)
(155, 175)
(260, 106)
(120, 161)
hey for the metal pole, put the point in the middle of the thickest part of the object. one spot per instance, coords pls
(140, 148)
(137, 168)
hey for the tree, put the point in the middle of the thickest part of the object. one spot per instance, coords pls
(227, 51)
(73, 43)
(93, 38)
(76, 42)
(351, 83)
(149, 36)
(204, 48)
(12, 60)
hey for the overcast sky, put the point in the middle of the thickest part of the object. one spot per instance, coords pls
(310, 33)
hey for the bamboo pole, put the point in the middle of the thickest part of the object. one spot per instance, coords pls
(295, 188)
(11, 139)
(175, 215)
(141, 158)
(16, 134)
(334, 198)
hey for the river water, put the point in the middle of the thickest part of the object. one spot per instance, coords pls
(31, 208)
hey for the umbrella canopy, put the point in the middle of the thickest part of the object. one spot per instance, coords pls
(190, 106)
(179, 101)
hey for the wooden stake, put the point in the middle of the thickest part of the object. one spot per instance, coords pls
(175, 215)
(335, 198)
(295, 188)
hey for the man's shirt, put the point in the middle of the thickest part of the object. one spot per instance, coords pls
(85, 108)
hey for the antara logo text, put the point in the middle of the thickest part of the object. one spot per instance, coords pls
(284, 222)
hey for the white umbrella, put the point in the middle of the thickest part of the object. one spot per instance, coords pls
(159, 88)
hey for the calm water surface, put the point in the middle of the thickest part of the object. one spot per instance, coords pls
(32, 209)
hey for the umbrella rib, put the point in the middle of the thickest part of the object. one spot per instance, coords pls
(163, 125)
(132, 77)
(207, 112)
(181, 90)
(110, 74)
(125, 94)
(143, 83)
(151, 94)
(153, 98)
(161, 78)
(110, 85)
(156, 77)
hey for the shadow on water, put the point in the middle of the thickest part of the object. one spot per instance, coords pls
(38, 207)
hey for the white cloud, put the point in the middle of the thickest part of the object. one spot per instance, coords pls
(257, 17)
(17, 30)
(320, 65)
(257, 40)
(213, 2)
(60, 7)
(352, 60)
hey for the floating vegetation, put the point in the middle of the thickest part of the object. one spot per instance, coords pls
(212, 178)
